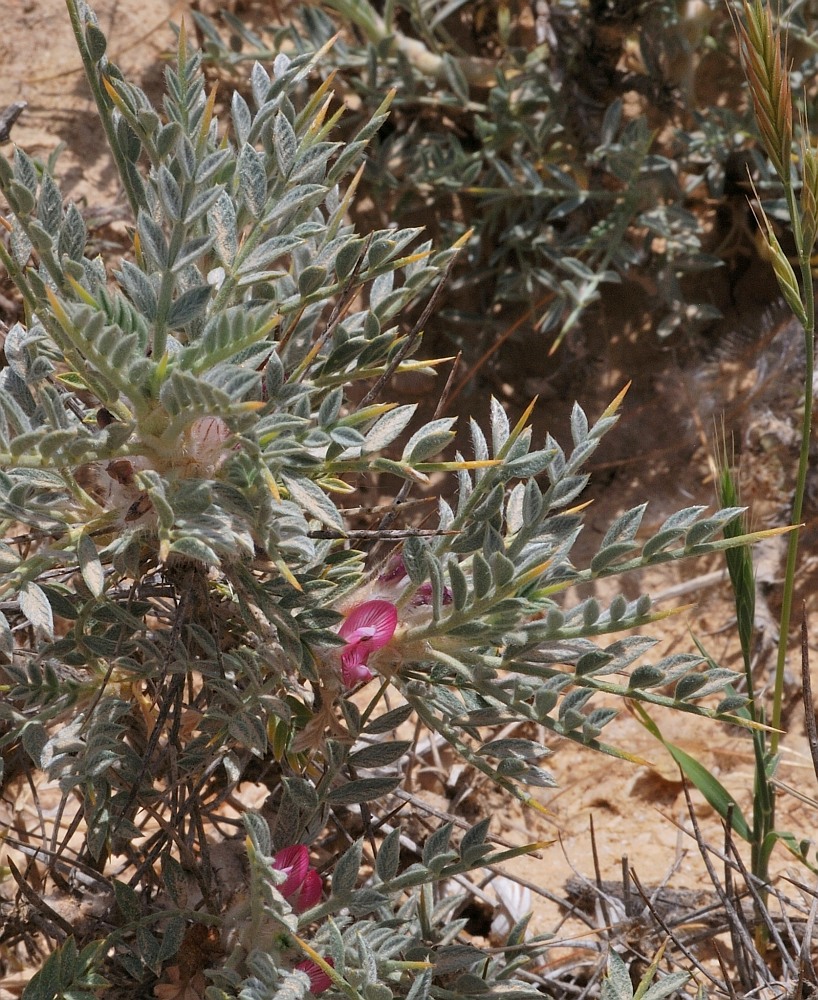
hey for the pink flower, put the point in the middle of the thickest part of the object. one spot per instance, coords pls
(308, 893)
(395, 569)
(302, 887)
(368, 627)
(395, 572)
(319, 980)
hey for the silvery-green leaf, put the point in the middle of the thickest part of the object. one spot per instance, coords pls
(537, 777)
(381, 287)
(362, 790)
(429, 440)
(6, 636)
(301, 792)
(301, 198)
(389, 721)
(481, 575)
(579, 425)
(267, 252)
(191, 252)
(703, 531)
(170, 194)
(499, 426)
(210, 165)
(345, 872)
(311, 279)
(140, 289)
(379, 754)
(259, 832)
(624, 527)
(153, 241)
(347, 257)
(252, 179)
(20, 245)
(387, 427)
(249, 731)
(166, 137)
(242, 120)
(35, 739)
(222, 224)
(260, 83)
(514, 747)
(421, 987)
(188, 306)
(284, 142)
(73, 233)
(314, 501)
(606, 557)
(459, 584)
(34, 605)
(24, 170)
(96, 41)
(388, 858)
(49, 207)
(194, 548)
(90, 565)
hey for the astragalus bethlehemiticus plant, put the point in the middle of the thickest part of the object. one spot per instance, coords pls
(186, 608)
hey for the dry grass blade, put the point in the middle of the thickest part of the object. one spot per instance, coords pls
(751, 967)
(806, 693)
(37, 903)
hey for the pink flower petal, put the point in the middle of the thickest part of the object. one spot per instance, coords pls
(294, 862)
(308, 893)
(354, 669)
(373, 622)
(319, 980)
(366, 628)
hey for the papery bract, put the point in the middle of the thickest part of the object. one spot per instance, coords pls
(207, 438)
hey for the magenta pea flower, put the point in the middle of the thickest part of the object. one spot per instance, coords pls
(303, 885)
(319, 980)
(309, 892)
(395, 573)
(366, 628)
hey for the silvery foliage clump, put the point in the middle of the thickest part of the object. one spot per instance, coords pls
(562, 200)
(178, 433)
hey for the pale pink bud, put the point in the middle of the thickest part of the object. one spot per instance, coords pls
(207, 438)
(395, 569)
(423, 596)
(366, 628)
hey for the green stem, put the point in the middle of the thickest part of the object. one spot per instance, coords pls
(103, 105)
(803, 463)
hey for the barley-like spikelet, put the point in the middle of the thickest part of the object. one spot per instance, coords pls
(760, 48)
(809, 193)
